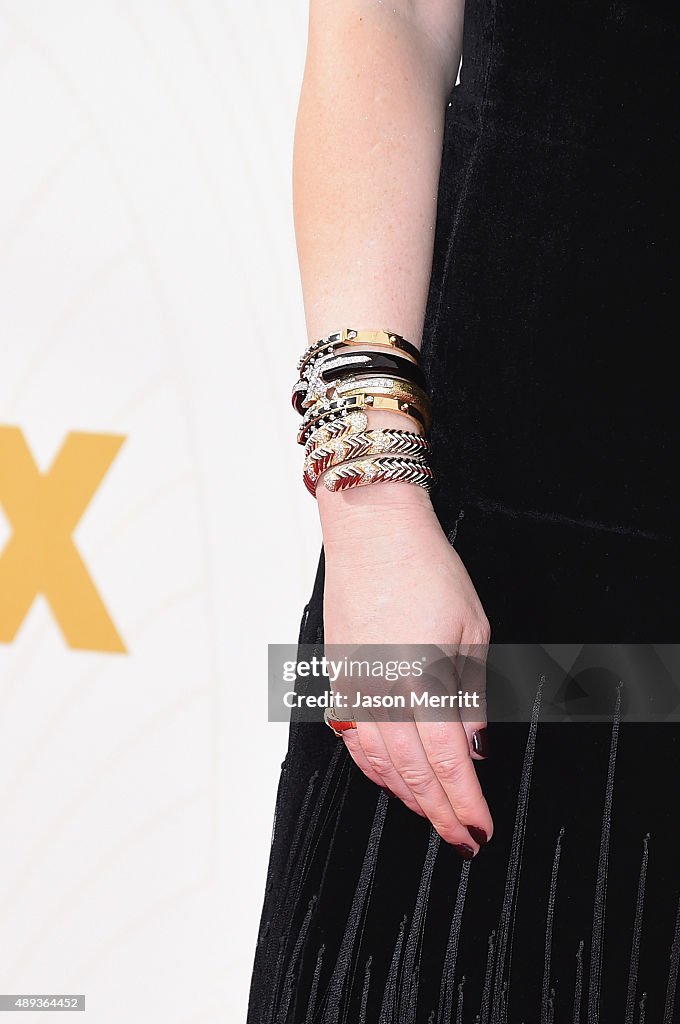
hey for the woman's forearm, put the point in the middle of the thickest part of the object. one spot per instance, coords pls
(367, 156)
(368, 153)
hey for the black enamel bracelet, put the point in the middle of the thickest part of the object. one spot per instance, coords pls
(358, 364)
(351, 336)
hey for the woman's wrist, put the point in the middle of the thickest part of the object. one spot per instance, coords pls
(370, 510)
(366, 513)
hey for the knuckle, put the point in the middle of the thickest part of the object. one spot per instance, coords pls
(447, 766)
(418, 779)
(378, 761)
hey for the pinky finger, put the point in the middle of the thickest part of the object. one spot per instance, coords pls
(351, 740)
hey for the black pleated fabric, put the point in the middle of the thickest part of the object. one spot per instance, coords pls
(550, 349)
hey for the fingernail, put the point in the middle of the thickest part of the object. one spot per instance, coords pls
(480, 742)
(466, 852)
(478, 834)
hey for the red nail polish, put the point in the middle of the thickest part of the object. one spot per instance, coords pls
(480, 742)
(478, 834)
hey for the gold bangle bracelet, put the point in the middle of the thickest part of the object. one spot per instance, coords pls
(360, 403)
(379, 469)
(378, 382)
(354, 445)
(391, 388)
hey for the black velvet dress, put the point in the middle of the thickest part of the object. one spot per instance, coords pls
(550, 350)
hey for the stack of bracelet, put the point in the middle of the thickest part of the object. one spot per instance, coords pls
(342, 376)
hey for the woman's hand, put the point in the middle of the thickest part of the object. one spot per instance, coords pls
(392, 577)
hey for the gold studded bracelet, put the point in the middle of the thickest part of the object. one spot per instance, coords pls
(350, 336)
(407, 394)
(341, 408)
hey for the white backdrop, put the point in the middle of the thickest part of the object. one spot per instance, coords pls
(149, 300)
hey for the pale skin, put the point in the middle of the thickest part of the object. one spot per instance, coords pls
(367, 156)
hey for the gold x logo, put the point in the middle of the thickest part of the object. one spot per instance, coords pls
(40, 556)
